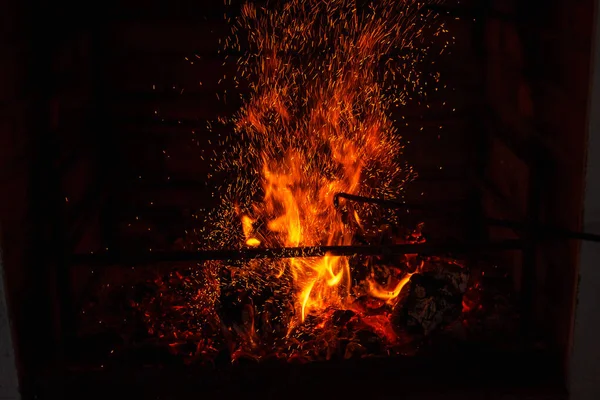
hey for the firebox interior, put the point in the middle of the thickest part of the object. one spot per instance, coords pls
(467, 280)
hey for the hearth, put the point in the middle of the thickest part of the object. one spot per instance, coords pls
(302, 198)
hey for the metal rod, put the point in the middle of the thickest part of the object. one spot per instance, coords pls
(294, 252)
(539, 230)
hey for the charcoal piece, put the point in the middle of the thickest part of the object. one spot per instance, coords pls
(430, 304)
(381, 272)
(274, 319)
(331, 353)
(322, 350)
(341, 346)
(456, 276)
(342, 317)
(354, 350)
(369, 340)
(373, 305)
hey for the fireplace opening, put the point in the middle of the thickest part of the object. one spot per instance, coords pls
(253, 198)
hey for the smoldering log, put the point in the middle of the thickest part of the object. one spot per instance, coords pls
(434, 298)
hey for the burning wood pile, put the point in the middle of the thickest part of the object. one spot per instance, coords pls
(394, 301)
(209, 316)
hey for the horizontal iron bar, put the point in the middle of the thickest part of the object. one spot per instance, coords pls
(294, 252)
(537, 231)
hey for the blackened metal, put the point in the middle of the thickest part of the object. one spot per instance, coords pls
(294, 252)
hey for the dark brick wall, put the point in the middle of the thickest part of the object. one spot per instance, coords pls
(538, 59)
(46, 169)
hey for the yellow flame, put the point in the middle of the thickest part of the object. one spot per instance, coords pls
(382, 293)
(389, 295)
(253, 242)
(248, 229)
(247, 225)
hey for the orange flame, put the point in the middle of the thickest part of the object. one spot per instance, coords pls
(382, 293)
(303, 214)
(389, 295)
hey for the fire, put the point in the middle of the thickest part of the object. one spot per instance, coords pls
(379, 292)
(299, 210)
(389, 295)
(323, 77)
